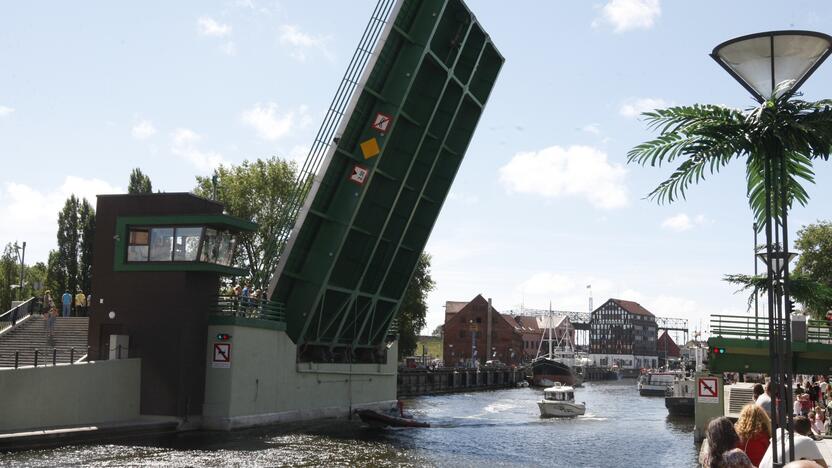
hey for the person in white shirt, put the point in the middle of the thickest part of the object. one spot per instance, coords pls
(805, 447)
(764, 400)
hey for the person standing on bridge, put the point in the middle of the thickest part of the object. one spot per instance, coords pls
(754, 429)
(719, 449)
(66, 304)
(80, 304)
(764, 400)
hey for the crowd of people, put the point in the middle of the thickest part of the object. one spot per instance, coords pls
(748, 442)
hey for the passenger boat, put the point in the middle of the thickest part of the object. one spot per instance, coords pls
(656, 383)
(383, 420)
(559, 402)
(680, 399)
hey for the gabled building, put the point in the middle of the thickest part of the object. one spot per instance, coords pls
(535, 329)
(667, 350)
(478, 329)
(623, 333)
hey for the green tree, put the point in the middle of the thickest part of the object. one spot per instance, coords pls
(9, 271)
(35, 275)
(813, 295)
(71, 267)
(55, 275)
(815, 244)
(413, 311)
(86, 220)
(68, 238)
(139, 182)
(706, 138)
(257, 191)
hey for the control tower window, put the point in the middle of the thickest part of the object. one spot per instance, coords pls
(161, 244)
(138, 245)
(186, 244)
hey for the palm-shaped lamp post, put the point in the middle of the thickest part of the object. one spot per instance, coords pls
(775, 64)
(778, 141)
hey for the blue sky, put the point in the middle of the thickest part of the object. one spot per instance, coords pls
(544, 203)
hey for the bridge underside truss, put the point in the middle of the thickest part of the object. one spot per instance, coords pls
(376, 198)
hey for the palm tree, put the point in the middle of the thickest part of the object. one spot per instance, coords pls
(706, 138)
(815, 296)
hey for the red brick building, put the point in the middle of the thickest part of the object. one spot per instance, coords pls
(506, 343)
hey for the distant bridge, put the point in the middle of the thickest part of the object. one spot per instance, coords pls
(675, 327)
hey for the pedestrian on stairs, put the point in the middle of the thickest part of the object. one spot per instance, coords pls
(80, 304)
(66, 303)
(50, 322)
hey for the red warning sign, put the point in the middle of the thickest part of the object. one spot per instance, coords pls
(222, 355)
(382, 122)
(707, 390)
(359, 174)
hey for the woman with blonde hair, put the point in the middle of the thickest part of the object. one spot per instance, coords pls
(754, 429)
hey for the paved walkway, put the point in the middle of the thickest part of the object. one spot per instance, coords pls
(825, 447)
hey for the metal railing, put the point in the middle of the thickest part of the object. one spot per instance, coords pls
(739, 326)
(249, 307)
(756, 328)
(338, 108)
(13, 316)
(44, 357)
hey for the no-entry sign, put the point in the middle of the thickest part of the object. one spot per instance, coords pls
(707, 390)
(222, 355)
(382, 122)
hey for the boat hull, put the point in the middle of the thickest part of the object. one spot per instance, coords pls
(653, 391)
(382, 420)
(545, 372)
(559, 409)
(680, 406)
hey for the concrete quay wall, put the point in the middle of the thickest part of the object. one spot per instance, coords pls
(414, 382)
(263, 383)
(36, 398)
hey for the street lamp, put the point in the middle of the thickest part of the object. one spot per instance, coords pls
(770, 65)
(21, 256)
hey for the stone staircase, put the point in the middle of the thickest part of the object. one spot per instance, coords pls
(70, 332)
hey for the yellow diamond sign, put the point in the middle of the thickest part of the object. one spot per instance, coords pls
(370, 148)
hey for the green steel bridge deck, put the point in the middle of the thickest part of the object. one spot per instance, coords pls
(745, 342)
(371, 190)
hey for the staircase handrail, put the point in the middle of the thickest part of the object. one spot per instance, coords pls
(26, 307)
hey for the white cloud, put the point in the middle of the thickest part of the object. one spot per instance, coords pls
(578, 171)
(143, 130)
(270, 125)
(210, 27)
(185, 145)
(545, 283)
(34, 212)
(5, 111)
(300, 43)
(593, 128)
(682, 222)
(633, 108)
(627, 15)
(229, 48)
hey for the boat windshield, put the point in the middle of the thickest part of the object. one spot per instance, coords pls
(559, 396)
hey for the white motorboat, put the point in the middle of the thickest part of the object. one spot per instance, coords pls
(559, 402)
(656, 383)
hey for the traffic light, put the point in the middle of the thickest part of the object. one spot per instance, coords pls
(223, 337)
(718, 350)
(789, 307)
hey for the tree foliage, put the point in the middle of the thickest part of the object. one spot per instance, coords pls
(413, 311)
(815, 244)
(705, 138)
(256, 191)
(814, 296)
(139, 182)
(70, 269)
(9, 273)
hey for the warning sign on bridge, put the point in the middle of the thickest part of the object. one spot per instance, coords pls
(382, 122)
(707, 390)
(222, 355)
(359, 174)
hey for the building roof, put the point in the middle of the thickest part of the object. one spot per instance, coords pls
(527, 323)
(633, 307)
(452, 307)
(544, 321)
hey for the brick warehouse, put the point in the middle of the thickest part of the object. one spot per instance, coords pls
(506, 338)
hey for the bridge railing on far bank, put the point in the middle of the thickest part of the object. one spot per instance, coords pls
(249, 307)
(756, 328)
(16, 313)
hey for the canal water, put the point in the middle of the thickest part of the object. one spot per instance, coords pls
(484, 429)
